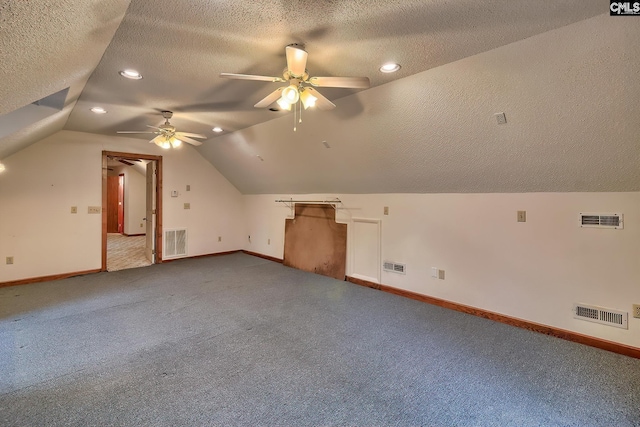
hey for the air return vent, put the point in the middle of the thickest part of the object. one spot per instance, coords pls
(601, 315)
(175, 243)
(597, 220)
(394, 267)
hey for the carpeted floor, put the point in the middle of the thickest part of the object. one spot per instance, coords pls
(125, 252)
(237, 340)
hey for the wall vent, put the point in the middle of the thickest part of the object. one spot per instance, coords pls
(605, 316)
(598, 220)
(394, 267)
(175, 243)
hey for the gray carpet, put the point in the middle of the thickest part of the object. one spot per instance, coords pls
(237, 340)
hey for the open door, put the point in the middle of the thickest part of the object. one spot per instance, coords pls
(151, 213)
(153, 243)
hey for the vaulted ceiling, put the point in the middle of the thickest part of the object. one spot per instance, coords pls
(564, 73)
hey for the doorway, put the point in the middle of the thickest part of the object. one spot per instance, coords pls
(132, 245)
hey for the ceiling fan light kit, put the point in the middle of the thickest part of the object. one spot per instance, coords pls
(167, 136)
(301, 87)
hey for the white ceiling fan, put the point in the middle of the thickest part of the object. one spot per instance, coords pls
(167, 136)
(301, 87)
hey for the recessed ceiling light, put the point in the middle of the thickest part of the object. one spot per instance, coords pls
(217, 129)
(98, 110)
(391, 67)
(131, 74)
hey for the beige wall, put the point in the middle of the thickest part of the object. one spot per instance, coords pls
(43, 181)
(134, 197)
(534, 271)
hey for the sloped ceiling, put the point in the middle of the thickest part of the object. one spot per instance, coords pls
(45, 47)
(427, 128)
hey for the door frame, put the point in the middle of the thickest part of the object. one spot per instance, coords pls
(121, 203)
(158, 228)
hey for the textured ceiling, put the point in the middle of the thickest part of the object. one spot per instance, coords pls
(427, 128)
(47, 46)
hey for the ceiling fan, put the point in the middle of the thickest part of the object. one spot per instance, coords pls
(167, 136)
(301, 87)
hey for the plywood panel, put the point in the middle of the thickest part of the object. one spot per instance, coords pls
(314, 242)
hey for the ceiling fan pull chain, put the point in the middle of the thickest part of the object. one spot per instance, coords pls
(294, 118)
(300, 106)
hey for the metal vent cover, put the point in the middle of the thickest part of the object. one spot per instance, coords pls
(601, 220)
(394, 267)
(605, 316)
(175, 243)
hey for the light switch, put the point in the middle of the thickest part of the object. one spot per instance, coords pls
(187, 205)
(522, 216)
(386, 210)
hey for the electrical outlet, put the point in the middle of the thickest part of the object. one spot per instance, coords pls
(187, 205)
(74, 209)
(219, 238)
(434, 272)
(522, 216)
(94, 209)
(441, 274)
(636, 311)
(268, 241)
(188, 187)
(141, 225)
(9, 260)
(386, 210)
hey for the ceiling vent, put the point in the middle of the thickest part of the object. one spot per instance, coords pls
(394, 267)
(598, 220)
(601, 315)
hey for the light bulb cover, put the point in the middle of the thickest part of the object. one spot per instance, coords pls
(307, 99)
(98, 110)
(290, 94)
(284, 104)
(2, 167)
(175, 142)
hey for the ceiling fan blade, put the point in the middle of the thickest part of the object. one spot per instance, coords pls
(125, 162)
(158, 139)
(153, 127)
(187, 139)
(321, 102)
(134, 131)
(269, 99)
(192, 135)
(346, 82)
(250, 77)
(296, 61)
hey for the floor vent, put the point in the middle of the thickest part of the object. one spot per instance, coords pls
(595, 220)
(175, 243)
(605, 316)
(394, 267)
